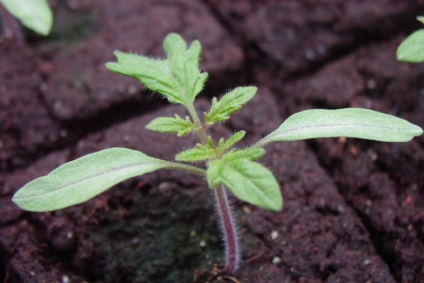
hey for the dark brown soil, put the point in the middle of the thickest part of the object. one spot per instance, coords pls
(353, 210)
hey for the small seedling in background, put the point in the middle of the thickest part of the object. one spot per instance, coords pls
(34, 14)
(412, 48)
(179, 79)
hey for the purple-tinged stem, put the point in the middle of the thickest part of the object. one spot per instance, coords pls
(229, 230)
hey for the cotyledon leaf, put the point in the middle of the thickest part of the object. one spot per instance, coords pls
(82, 179)
(349, 122)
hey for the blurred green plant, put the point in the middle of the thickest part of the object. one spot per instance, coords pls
(34, 14)
(412, 48)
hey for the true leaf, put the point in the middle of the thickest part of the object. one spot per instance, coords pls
(412, 48)
(154, 74)
(247, 180)
(223, 145)
(178, 77)
(421, 19)
(184, 65)
(199, 153)
(228, 104)
(175, 124)
(234, 139)
(34, 14)
(247, 153)
(82, 179)
(350, 122)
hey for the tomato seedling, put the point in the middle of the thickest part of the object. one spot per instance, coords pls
(179, 79)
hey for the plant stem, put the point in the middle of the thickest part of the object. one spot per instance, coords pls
(229, 230)
(201, 132)
(228, 226)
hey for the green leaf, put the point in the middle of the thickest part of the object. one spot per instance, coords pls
(412, 48)
(247, 180)
(223, 145)
(199, 153)
(154, 74)
(247, 153)
(184, 65)
(82, 179)
(228, 104)
(175, 124)
(421, 19)
(178, 77)
(234, 139)
(34, 14)
(349, 122)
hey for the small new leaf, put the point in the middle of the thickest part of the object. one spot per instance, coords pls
(247, 180)
(234, 139)
(349, 122)
(34, 14)
(178, 77)
(175, 124)
(82, 179)
(223, 145)
(247, 153)
(228, 104)
(196, 154)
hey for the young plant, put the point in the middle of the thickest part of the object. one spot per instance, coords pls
(226, 167)
(412, 48)
(34, 14)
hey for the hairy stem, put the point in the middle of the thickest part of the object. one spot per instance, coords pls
(228, 226)
(201, 132)
(229, 230)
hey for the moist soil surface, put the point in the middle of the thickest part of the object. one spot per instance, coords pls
(353, 210)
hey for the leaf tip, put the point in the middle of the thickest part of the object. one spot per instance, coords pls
(174, 41)
(15, 199)
(417, 131)
(278, 206)
(110, 66)
(20, 199)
